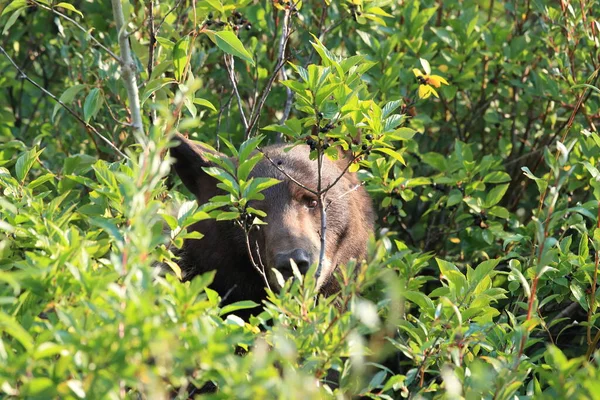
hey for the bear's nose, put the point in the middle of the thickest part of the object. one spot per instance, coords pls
(300, 257)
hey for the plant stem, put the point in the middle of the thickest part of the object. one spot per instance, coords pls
(592, 304)
(128, 69)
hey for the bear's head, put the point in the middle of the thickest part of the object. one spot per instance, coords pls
(293, 230)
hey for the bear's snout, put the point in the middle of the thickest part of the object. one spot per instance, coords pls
(301, 257)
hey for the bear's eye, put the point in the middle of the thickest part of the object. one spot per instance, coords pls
(311, 202)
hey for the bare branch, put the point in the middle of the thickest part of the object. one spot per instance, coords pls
(353, 189)
(259, 267)
(227, 294)
(151, 52)
(332, 184)
(71, 111)
(231, 75)
(322, 211)
(128, 69)
(166, 15)
(281, 60)
(285, 33)
(291, 178)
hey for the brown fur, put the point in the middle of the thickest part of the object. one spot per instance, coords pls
(291, 224)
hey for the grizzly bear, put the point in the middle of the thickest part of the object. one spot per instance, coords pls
(293, 221)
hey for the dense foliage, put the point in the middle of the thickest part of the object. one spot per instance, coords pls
(472, 124)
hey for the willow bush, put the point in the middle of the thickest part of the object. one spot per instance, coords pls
(473, 125)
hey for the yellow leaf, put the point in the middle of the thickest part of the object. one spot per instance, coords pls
(424, 91)
(417, 72)
(69, 7)
(437, 81)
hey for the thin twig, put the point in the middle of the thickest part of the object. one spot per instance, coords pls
(340, 176)
(166, 15)
(231, 75)
(285, 33)
(291, 178)
(222, 108)
(352, 189)
(227, 294)
(322, 211)
(261, 102)
(281, 60)
(152, 34)
(259, 268)
(151, 54)
(53, 97)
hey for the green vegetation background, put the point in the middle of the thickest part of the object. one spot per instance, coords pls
(482, 278)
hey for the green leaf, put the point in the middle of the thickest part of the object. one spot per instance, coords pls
(93, 103)
(12, 19)
(401, 134)
(436, 160)
(67, 97)
(69, 7)
(230, 44)
(10, 326)
(246, 167)
(394, 154)
(541, 183)
(14, 5)
(249, 146)
(421, 300)
(452, 273)
(239, 305)
(497, 177)
(217, 5)
(108, 226)
(495, 195)
(153, 86)
(41, 180)
(592, 170)
(40, 388)
(180, 57)
(389, 108)
(483, 270)
(228, 215)
(205, 103)
(455, 197)
(499, 212)
(25, 162)
(579, 294)
(584, 250)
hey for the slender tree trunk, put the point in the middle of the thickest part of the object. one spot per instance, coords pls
(128, 69)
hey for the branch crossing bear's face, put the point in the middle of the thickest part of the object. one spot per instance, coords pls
(293, 229)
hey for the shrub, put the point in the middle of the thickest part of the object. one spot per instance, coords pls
(472, 125)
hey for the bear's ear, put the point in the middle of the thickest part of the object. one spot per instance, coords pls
(190, 159)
